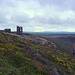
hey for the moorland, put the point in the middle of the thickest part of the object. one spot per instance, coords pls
(34, 55)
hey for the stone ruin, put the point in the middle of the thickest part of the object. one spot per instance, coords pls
(8, 30)
(73, 51)
(19, 30)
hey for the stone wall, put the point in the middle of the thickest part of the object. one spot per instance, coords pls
(8, 30)
(19, 30)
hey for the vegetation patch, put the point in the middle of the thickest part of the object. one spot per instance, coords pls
(19, 56)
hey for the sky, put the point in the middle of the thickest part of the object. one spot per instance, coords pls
(38, 15)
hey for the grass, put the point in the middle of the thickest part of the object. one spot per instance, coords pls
(23, 57)
(62, 45)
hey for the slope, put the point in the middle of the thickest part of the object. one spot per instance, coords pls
(32, 55)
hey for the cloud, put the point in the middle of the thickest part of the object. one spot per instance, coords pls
(3, 17)
(38, 15)
(21, 18)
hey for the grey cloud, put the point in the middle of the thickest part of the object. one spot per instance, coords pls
(3, 18)
(58, 21)
(4, 3)
(62, 4)
(21, 18)
(44, 13)
(53, 21)
(44, 20)
(39, 19)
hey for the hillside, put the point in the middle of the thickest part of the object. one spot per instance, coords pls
(32, 55)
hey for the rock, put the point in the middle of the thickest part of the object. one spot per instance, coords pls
(74, 52)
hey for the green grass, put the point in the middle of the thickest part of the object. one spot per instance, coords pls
(62, 45)
(15, 59)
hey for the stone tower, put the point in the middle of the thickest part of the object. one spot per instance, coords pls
(19, 30)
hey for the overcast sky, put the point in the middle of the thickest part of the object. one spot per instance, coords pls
(38, 15)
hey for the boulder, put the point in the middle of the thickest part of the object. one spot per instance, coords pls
(74, 52)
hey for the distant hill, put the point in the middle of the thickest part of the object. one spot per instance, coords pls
(32, 55)
(47, 33)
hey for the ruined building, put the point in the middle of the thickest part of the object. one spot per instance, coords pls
(8, 30)
(19, 30)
